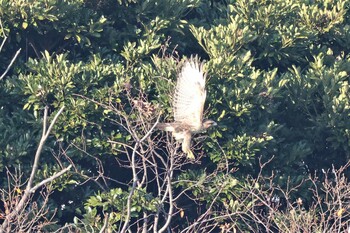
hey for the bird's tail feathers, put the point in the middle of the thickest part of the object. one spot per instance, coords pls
(165, 126)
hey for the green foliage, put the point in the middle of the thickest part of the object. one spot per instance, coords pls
(321, 95)
(45, 24)
(114, 203)
(18, 138)
(278, 86)
(203, 186)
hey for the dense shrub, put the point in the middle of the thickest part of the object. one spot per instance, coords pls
(278, 86)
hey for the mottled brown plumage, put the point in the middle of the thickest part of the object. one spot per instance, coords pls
(188, 105)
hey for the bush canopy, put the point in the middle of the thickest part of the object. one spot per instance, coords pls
(84, 82)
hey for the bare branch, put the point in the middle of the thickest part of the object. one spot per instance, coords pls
(170, 194)
(11, 63)
(50, 179)
(4, 35)
(105, 224)
(135, 178)
(45, 134)
(29, 188)
(2, 45)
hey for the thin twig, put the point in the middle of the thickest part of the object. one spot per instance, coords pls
(105, 224)
(30, 189)
(170, 194)
(45, 135)
(9, 66)
(2, 45)
(51, 178)
(135, 178)
(4, 35)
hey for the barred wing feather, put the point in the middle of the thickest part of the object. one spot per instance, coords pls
(190, 94)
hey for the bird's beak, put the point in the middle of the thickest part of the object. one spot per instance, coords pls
(214, 123)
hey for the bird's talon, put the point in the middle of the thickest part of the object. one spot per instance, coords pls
(190, 155)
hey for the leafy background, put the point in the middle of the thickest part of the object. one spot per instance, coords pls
(278, 87)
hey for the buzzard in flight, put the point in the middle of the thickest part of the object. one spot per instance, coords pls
(188, 105)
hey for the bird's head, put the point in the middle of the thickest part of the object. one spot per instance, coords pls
(208, 123)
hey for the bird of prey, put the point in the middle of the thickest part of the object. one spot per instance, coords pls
(188, 105)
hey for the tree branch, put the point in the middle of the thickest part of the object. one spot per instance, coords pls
(50, 179)
(9, 66)
(135, 178)
(1, 46)
(29, 188)
(170, 194)
(44, 136)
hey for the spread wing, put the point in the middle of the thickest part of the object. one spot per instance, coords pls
(190, 94)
